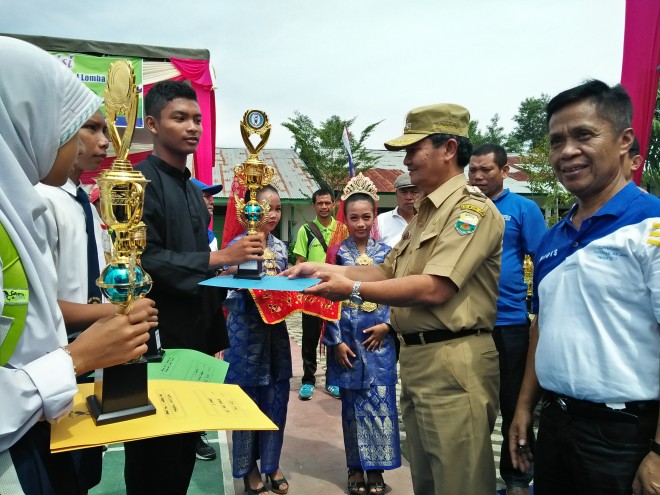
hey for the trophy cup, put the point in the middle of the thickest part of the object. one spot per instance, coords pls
(254, 174)
(120, 392)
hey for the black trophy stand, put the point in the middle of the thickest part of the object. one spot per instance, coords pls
(251, 270)
(120, 393)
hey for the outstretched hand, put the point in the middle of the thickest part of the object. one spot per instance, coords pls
(302, 270)
(115, 339)
(333, 286)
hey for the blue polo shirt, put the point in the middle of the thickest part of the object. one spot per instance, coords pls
(524, 227)
(597, 293)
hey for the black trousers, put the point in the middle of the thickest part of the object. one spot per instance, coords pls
(160, 465)
(512, 342)
(589, 455)
(311, 333)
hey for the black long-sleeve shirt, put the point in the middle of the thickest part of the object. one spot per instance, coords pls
(177, 258)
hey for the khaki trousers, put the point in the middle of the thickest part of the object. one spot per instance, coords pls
(449, 403)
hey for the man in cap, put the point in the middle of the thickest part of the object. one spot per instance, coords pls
(594, 346)
(203, 449)
(441, 281)
(524, 226)
(391, 224)
(208, 192)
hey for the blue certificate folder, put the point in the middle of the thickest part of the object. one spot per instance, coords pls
(266, 283)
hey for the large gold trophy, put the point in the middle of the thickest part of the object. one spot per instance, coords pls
(254, 174)
(120, 392)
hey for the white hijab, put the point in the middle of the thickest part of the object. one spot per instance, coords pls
(42, 105)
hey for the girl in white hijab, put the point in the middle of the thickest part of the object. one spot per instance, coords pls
(42, 107)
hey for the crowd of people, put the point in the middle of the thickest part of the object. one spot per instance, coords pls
(436, 285)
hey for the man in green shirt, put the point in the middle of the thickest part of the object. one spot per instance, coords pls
(312, 245)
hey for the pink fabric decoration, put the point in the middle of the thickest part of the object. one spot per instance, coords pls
(639, 72)
(198, 72)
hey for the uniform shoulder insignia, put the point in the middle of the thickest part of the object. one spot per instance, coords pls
(475, 191)
(654, 235)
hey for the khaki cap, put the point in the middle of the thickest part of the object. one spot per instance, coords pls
(421, 122)
(403, 181)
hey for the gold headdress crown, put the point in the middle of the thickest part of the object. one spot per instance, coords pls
(360, 184)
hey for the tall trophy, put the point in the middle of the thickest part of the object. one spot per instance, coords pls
(254, 174)
(120, 392)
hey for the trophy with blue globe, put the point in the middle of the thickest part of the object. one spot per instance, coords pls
(254, 174)
(121, 392)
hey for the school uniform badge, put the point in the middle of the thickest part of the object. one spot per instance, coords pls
(467, 223)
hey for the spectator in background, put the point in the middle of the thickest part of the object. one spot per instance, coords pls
(524, 226)
(312, 245)
(208, 192)
(391, 224)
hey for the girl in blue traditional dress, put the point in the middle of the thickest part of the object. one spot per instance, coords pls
(364, 367)
(260, 362)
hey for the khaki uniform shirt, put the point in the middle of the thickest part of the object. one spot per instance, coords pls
(456, 234)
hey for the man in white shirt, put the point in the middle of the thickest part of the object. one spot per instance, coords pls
(391, 224)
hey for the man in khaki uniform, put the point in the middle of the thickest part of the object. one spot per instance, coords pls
(441, 281)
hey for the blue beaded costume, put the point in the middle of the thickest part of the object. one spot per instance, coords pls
(368, 389)
(260, 363)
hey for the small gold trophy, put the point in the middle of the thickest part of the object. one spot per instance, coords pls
(254, 174)
(120, 392)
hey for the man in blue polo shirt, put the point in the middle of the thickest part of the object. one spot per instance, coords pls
(595, 344)
(524, 226)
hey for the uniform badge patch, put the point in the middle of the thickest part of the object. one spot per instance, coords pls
(474, 208)
(467, 223)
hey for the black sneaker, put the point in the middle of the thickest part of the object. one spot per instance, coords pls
(204, 451)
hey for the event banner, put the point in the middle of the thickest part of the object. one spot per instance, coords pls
(93, 71)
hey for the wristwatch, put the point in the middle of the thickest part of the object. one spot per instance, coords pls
(355, 294)
(655, 446)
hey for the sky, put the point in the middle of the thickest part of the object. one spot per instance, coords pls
(372, 60)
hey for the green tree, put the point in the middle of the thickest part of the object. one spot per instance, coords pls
(651, 174)
(543, 181)
(475, 135)
(494, 132)
(531, 128)
(322, 151)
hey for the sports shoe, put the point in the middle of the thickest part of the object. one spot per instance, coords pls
(332, 390)
(203, 450)
(306, 391)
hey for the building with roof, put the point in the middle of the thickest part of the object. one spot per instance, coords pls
(296, 185)
(291, 179)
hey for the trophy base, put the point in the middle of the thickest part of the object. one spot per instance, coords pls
(249, 275)
(156, 357)
(250, 270)
(101, 418)
(120, 393)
